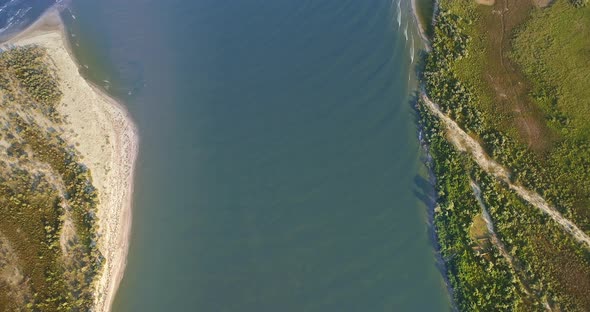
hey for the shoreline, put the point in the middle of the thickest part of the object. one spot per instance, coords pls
(421, 25)
(93, 116)
(429, 163)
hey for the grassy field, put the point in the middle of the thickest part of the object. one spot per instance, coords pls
(514, 74)
(553, 49)
(501, 88)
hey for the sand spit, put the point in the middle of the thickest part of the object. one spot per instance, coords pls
(107, 140)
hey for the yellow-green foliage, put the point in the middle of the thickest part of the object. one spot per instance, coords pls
(27, 66)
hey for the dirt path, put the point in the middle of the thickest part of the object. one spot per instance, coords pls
(514, 264)
(463, 142)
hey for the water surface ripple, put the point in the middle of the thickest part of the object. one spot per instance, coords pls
(279, 167)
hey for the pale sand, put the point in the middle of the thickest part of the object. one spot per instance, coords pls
(106, 138)
(486, 2)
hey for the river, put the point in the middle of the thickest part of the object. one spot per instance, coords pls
(279, 165)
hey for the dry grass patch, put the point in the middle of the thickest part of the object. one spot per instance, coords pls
(486, 2)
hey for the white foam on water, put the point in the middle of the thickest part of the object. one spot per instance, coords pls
(14, 19)
(412, 50)
(8, 4)
(406, 32)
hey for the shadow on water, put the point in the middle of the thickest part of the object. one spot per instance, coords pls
(424, 191)
(424, 187)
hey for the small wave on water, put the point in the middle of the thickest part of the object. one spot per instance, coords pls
(71, 13)
(15, 19)
(399, 13)
(406, 31)
(412, 50)
(16, 15)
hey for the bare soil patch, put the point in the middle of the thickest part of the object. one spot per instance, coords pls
(511, 89)
(486, 2)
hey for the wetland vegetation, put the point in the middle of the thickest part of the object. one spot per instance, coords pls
(513, 75)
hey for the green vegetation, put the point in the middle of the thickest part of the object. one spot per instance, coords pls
(27, 66)
(425, 12)
(515, 79)
(482, 282)
(48, 258)
(579, 3)
(553, 49)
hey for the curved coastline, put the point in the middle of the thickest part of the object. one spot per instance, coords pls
(107, 139)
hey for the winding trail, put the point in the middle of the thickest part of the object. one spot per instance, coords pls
(464, 142)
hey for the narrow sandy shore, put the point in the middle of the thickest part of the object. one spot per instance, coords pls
(421, 27)
(107, 140)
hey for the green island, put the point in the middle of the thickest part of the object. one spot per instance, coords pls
(48, 254)
(505, 112)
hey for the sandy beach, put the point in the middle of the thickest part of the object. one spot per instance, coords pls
(107, 140)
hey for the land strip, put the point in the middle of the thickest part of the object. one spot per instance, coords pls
(107, 140)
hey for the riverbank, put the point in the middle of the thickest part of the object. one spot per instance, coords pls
(107, 139)
(424, 12)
